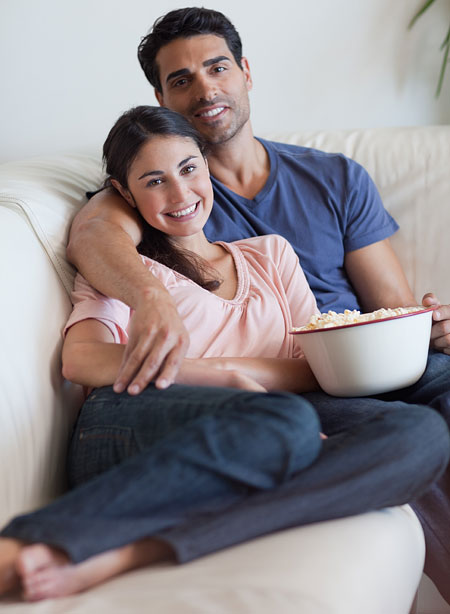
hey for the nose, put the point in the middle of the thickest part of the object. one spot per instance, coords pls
(205, 88)
(179, 192)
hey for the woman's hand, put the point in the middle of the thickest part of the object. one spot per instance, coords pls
(288, 374)
(243, 382)
(213, 372)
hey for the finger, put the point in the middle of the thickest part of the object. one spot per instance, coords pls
(440, 329)
(430, 299)
(132, 360)
(441, 343)
(152, 364)
(171, 366)
(442, 312)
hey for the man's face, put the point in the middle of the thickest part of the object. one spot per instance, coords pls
(201, 80)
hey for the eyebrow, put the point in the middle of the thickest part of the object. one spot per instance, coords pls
(156, 173)
(206, 63)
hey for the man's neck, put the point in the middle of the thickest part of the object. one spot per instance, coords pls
(242, 163)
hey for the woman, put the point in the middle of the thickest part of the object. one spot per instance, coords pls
(232, 298)
(142, 465)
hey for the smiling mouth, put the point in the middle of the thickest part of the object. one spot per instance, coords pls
(211, 113)
(183, 212)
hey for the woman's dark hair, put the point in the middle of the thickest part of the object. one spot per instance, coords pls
(185, 23)
(130, 132)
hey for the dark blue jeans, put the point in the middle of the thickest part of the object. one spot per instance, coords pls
(206, 468)
(142, 464)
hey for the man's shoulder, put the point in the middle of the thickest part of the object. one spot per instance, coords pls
(297, 160)
(306, 154)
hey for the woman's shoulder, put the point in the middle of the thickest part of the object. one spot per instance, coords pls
(165, 274)
(271, 246)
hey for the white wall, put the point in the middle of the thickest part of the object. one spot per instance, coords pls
(69, 68)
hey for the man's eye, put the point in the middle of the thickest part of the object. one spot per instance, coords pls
(220, 68)
(180, 82)
(188, 169)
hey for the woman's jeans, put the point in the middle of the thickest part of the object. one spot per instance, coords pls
(206, 468)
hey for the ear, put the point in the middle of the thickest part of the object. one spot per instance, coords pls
(247, 74)
(124, 193)
(159, 97)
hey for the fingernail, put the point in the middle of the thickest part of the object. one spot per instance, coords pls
(163, 383)
(134, 389)
(437, 315)
(118, 387)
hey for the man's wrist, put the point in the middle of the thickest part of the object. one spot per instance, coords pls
(154, 293)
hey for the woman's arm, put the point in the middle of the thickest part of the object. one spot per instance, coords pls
(289, 374)
(91, 358)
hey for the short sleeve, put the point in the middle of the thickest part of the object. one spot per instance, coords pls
(367, 221)
(301, 301)
(88, 303)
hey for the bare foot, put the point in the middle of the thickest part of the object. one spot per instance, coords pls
(9, 551)
(46, 572)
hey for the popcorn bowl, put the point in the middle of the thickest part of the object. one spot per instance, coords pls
(370, 357)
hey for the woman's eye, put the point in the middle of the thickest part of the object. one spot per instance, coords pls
(153, 182)
(188, 169)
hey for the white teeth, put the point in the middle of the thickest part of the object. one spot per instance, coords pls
(212, 113)
(183, 212)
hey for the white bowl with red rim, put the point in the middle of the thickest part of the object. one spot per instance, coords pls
(371, 357)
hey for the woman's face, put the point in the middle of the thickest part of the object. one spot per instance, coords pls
(170, 184)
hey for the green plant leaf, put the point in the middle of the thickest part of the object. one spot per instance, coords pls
(443, 65)
(420, 12)
(446, 40)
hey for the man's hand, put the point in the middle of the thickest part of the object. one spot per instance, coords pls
(440, 331)
(156, 347)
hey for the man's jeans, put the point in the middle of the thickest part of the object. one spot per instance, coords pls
(433, 509)
(205, 468)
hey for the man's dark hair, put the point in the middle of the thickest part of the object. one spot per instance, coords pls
(185, 23)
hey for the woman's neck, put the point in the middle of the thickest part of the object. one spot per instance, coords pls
(217, 258)
(198, 244)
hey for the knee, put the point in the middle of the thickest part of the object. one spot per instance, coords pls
(297, 421)
(427, 437)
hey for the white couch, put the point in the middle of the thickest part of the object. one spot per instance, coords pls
(369, 564)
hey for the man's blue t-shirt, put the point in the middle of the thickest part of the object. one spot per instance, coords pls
(324, 204)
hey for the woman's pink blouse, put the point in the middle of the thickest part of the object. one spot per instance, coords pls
(272, 296)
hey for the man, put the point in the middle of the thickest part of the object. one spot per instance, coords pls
(324, 204)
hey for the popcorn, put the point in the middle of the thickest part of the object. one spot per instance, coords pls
(332, 319)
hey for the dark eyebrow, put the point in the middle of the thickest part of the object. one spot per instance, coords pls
(219, 58)
(150, 173)
(177, 73)
(156, 173)
(183, 162)
(186, 71)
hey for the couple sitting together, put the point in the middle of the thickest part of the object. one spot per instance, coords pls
(204, 424)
